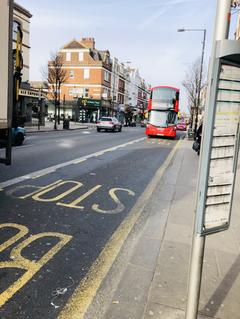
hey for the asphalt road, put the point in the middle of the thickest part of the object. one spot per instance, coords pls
(75, 189)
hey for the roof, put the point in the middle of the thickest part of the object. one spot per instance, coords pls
(97, 55)
(74, 44)
(22, 10)
(103, 54)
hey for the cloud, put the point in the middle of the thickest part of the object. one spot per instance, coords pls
(163, 8)
(168, 3)
(151, 19)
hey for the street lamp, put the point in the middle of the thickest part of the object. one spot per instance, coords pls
(201, 71)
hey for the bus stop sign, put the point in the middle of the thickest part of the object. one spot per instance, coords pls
(220, 145)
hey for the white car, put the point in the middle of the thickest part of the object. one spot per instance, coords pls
(109, 123)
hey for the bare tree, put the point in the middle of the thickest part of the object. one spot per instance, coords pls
(192, 85)
(56, 75)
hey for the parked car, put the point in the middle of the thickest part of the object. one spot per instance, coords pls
(108, 123)
(18, 135)
(181, 126)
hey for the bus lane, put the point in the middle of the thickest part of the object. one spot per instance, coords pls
(53, 227)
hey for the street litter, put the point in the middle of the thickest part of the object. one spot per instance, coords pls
(59, 292)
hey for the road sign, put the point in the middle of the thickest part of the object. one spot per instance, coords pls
(5, 63)
(220, 142)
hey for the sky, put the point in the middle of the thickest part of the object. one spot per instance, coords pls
(143, 32)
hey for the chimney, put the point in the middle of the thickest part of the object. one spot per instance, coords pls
(88, 42)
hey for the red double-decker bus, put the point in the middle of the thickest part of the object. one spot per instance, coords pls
(163, 107)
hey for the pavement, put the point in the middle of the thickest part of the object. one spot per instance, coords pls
(49, 126)
(148, 280)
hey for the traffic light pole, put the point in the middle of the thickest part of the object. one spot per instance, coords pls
(221, 32)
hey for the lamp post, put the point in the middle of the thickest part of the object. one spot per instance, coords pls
(201, 71)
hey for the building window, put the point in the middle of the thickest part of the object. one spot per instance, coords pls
(120, 98)
(15, 29)
(68, 56)
(106, 76)
(86, 74)
(121, 86)
(105, 94)
(71, 74)
(80, 56)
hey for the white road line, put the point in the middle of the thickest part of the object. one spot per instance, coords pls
(53, 168)
(24, 146)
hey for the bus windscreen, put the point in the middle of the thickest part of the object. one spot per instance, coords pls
(162, 118)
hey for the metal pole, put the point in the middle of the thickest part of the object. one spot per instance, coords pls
(10, 85)
(55, 110)
(221, 32)
(200, 81)
(195, 276)
(58, 103)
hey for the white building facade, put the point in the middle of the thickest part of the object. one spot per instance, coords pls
(128, 89)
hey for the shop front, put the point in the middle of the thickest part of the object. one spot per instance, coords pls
(90, 110)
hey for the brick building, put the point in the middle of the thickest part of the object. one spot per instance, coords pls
(87, 90)
(96, 84)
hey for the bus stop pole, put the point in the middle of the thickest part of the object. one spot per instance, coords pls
(221, 31)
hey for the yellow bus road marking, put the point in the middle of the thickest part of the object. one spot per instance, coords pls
(22, 232)
(31, 267)
(120, 207)
(75, 203)
(38, 196)
(40, 191)
(87, 289)
(53, 168)
(38, 188)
